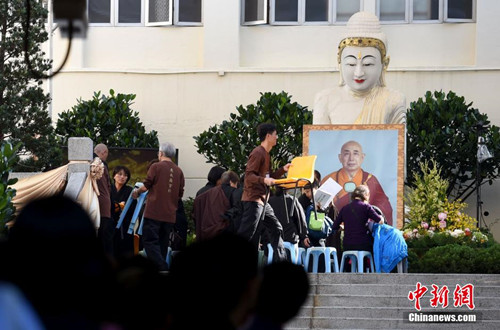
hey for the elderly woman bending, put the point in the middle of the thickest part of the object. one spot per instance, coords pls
(355, 216)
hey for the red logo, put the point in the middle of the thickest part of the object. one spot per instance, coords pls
(417, 294)
(462, 295)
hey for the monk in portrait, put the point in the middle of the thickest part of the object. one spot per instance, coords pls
(352, 175)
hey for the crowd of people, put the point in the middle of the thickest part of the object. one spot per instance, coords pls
(67, 275)
(56, 274)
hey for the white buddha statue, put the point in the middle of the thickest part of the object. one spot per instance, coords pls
(361, 97)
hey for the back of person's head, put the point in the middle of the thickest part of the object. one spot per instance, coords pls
(138, 279)
(315, 185)
(230, 177)
(59, 263)
(264, 129)
(56, 222)
(317, 176)
(211, 277)
(283, 291)
(168, 149)
(100, 148)
(361, 192)
(215, 174)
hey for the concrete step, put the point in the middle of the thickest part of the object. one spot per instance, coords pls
(367, 323)
(395, 289)
(388, 312)
(334, 300)
(380, 301)
(406, 278)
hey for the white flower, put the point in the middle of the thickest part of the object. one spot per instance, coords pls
(457, 233)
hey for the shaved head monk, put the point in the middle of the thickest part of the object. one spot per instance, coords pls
(351, 175)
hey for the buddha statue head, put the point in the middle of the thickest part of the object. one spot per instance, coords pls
(362, 54)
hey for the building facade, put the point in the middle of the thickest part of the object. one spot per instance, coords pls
(192, 62)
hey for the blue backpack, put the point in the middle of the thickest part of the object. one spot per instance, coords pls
(318, 228)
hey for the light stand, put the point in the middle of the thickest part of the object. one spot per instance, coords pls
(482, 155)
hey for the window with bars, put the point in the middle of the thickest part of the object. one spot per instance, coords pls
(326, 12)
(426, 11)
(298, 12)
(145, 12)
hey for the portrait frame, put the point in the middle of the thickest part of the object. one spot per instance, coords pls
(384, 149)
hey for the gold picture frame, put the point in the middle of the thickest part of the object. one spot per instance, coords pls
(384, 149)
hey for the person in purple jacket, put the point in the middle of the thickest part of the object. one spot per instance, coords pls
(355, 216)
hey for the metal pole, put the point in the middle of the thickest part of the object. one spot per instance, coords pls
(51, 53)
(478, 191)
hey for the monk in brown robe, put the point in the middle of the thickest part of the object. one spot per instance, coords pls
(351, 175)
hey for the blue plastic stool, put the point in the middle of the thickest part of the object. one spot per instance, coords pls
(301, 256)
(270, 253)
(316, 252)
(294, 252)
(332, 253)
(403, 265)
(357, 260)
(170, 254)
(168, 259)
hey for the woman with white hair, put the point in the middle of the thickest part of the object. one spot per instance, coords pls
(355, 216)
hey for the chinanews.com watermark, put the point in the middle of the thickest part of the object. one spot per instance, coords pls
(442, 317)
(463, 296)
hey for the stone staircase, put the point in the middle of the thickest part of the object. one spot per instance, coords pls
(380, 301)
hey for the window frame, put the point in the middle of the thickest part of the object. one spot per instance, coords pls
(162, 23)
(428, 21)
(443, 14)
(184, 23)
(111, 15)
(257, 22)
(272, 15)
(334, 11)
(459, 20)
(329, 20)
(407, 14)
(117, 15)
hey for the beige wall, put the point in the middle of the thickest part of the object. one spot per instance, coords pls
(188, 78)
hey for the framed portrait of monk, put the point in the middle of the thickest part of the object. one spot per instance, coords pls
(362, 154)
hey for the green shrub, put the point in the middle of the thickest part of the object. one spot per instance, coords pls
(425, 243)
(451, 258)
(427, 196)
(7, 160)
(413, 262)
(229, 143)
(23, 99)
(454, 258)
(442, 127)
(188, 208)
(106, 119)
(487, 261)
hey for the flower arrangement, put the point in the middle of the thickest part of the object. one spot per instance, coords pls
(430, 212)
